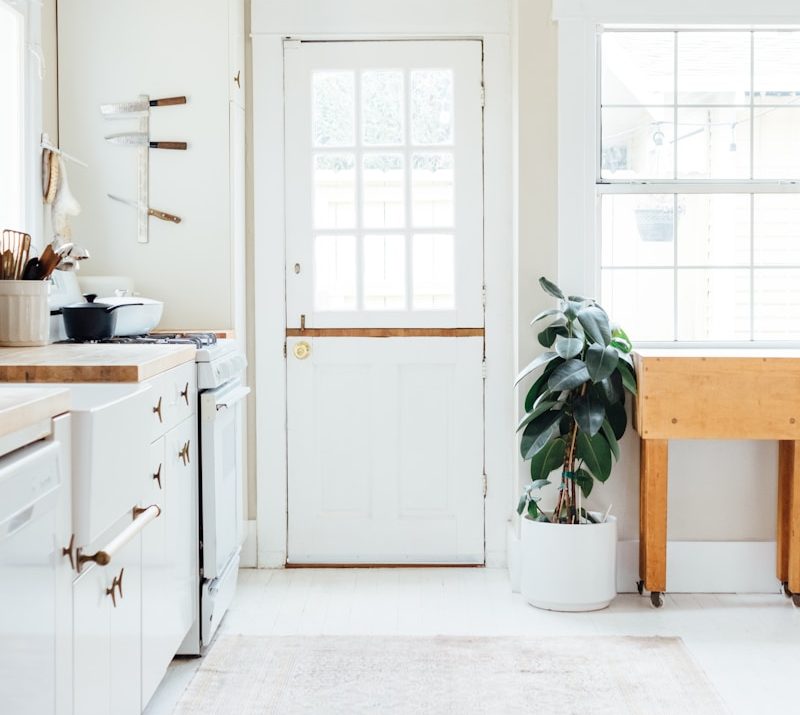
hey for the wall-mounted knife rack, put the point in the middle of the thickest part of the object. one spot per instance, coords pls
(141, 109)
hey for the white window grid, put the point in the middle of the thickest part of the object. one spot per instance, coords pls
(676, 186)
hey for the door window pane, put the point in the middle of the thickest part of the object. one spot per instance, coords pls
(335, 273)
(714, 68)
(432, 190)
(333, 108)
(432, 106)
(383, 180)
(638, 230)
(638, 68)
(384, 272)
(382, 107)
(713, 304)
(433, 271)
(638, 143)
(713, 229)
(334, 191)
(713, 143)
(776, 230)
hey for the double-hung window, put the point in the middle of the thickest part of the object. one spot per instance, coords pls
(697, 182)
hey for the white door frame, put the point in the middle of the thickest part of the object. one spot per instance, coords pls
(272, 22)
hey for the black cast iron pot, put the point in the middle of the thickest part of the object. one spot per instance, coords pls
(90, 320)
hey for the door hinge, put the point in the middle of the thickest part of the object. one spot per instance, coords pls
(483, 368)
(485, 484)
(483, 95)
(285, 350)
(483, 296)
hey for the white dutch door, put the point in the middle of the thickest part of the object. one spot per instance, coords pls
(384, 278)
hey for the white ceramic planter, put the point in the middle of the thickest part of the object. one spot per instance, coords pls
(24, 313)
(569, 567)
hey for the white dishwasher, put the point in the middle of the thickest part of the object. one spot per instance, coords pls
(35, 573)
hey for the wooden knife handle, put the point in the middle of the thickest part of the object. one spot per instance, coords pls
(164, 216)
(168, 145)
(167, 101)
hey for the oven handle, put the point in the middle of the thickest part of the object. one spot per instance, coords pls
(141, 518)
(230, 399)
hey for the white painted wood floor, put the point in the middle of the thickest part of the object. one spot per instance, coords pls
(748, 645)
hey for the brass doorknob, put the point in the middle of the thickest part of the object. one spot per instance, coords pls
(302, 350)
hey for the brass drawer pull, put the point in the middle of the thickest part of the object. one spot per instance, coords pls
(68, 549)
(157, 410)
(157, 476)
(116, 584)
(141, 518)
(185, 394)
(238, 79)
(184, 453)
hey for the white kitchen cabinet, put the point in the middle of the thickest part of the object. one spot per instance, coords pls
(107, 635)
(35, 576)
(115, 51)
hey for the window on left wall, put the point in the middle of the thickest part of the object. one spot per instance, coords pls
(12, 111)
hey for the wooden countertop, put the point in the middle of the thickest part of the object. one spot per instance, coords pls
(86, 362)
(21, 407)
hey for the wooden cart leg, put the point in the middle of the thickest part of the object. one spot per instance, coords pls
(786, 457)
(789, 517)
(653, 470)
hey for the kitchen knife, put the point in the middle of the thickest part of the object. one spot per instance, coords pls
(141, 139)
(138, 107)
(163, 215)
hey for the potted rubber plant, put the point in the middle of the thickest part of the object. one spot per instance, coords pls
(575, 415)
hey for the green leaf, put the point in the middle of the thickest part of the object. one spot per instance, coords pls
(568, 347)
(568, 376)
(600, 361)
(620, 339)
(538, 433)
(537, 410)
(611, 438)
(610, 389)
(548, 336)
(565, 425)
(523, 500)
(622, 354)
(585, 481)
(595, 453)
(534, 364)
(579, 299)
(539, 386)
(548, 459)
(546, 314)
(595, 322)
(533, 510)
(571, 309)
(618, 418)
(551, 288)
(628, 378)
(540, 483)
(589, 414)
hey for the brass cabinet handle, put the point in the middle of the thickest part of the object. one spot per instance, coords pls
(184, 453)
(68, 549)
(185, 394)
(157, 410)
(238, 78)
(116, 584)
(157, 476)
(142, 516)
(119, 581)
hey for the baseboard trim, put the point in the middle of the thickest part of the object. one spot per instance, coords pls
(249, 554)
(692, 566)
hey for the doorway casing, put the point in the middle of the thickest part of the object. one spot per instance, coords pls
(272, 23)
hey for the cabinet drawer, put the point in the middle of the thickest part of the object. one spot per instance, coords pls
(174, 398)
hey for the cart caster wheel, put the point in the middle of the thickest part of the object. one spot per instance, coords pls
(786, 591)
(640, 587)
(796, 600)
(657, 599)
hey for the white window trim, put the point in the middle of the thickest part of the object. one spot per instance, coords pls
(272, 22)
(578, 122)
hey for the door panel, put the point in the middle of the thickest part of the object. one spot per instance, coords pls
(386, 451)
(384, 293)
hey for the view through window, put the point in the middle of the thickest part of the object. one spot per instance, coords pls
(697, 183)
(12, 92)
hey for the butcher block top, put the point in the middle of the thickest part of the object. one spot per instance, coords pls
(718, 393)
(90, 362)
(21, 407)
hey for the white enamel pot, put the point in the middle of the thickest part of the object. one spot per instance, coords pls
(569, 567)
(142, 315)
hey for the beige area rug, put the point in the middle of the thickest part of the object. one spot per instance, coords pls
(330, 674)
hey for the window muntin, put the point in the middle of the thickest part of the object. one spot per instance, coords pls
(699, 215)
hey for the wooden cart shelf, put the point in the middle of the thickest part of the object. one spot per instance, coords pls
(716, 394)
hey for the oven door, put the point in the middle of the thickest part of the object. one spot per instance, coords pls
(221, 474)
